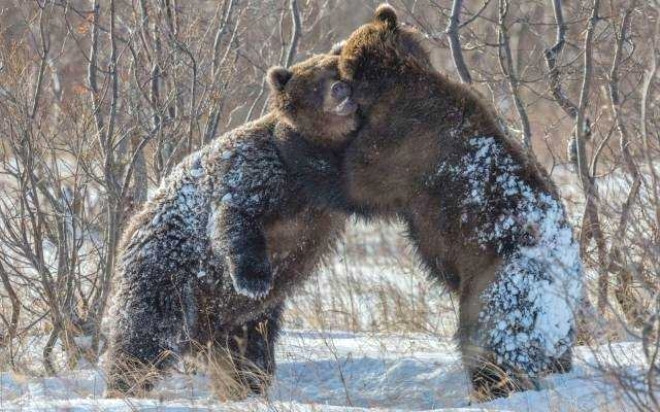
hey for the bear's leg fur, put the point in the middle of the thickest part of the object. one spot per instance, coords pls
(135, 366)
(502, 347)
(564, 364)
(258, 360)
(433, 248)
(243, 360)
(488, 379)
(244, 245)
(153, 313)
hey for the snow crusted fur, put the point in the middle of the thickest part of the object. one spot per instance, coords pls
(175, 294)
(528, 317)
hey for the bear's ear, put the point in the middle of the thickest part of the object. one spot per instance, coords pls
(278, 77)
(337, 47)
(386, 14)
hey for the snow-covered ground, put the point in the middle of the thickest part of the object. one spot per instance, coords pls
(337, 371)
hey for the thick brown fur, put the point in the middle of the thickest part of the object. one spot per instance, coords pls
(417, 122)
(305, 95)
(209, 260)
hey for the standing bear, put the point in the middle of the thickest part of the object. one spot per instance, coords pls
(206, 264)
(483, 215)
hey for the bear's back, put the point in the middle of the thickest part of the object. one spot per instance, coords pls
(241, 167)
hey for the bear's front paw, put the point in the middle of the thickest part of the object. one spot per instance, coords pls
(253, 280)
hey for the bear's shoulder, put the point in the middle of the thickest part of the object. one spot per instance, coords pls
(254, 176)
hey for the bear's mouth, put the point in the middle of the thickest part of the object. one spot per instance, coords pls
(347, 107)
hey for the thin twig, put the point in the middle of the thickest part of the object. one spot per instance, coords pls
(295, 32)
(591, 222)
(648, 79)
(455, 43)
(551, 56)
(506, 63)
(626, 300)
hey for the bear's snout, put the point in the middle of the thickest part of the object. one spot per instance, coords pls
(340, 90)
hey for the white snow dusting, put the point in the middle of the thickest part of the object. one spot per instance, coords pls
(531, 306)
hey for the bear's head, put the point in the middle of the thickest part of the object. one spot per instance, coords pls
(312, 99)
(379, 51)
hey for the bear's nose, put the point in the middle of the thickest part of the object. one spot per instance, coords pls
(340, 90)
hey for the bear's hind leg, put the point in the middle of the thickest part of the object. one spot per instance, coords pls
(223, 369)
(151, 324)
(243, 360)
(135, 363)
(488, 377)
(134, 367)
(258, 360)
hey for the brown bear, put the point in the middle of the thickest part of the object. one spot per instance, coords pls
(483, 215)
(208, 261)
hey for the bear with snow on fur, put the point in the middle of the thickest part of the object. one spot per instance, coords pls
(485, 218)
(206, 264)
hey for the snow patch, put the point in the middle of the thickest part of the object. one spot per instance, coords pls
(227, 198)
(341, 371)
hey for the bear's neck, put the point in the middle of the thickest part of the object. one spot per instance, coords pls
(428, 94)
(321, 134)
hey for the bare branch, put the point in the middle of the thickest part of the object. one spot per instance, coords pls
(222, 27)
(455, 43)
(623, 291)
(648, 79)
(506, 64)
(92, 70)
(551, 56)
(45, 48)
(591, 224)
(12, 327)
(296, 31)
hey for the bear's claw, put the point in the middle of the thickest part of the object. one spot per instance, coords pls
(254, 281)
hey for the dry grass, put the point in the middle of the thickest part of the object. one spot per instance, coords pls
(374, 283)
